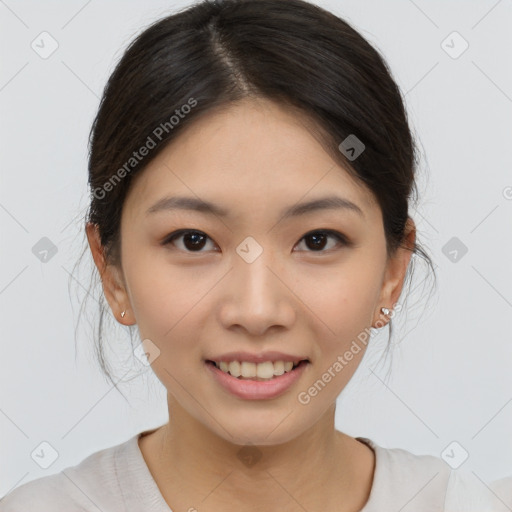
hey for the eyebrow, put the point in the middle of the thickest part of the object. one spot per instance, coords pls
(198, 205)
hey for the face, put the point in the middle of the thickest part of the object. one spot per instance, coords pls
(249, 278)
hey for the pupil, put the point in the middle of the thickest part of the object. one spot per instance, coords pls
(196, 240)
(316, 237)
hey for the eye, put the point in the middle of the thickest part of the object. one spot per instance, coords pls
(318, 239)
(192, 240)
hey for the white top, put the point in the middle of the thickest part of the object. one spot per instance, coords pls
(117, 479)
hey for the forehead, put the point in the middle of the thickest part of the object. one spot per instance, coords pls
(254, 153)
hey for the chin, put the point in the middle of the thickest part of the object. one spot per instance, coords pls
(259, 433)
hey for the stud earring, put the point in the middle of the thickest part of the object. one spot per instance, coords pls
(385, 311)
(123, 313)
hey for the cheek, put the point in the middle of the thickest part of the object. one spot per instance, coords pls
(342, 307)
(341, 298)
(161, 294)
(170, 304)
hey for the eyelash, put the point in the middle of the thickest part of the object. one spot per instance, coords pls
(342, 239)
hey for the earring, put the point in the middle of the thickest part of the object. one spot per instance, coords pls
(123, 313)
(385, 311)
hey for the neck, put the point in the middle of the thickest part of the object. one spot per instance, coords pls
(193, 461)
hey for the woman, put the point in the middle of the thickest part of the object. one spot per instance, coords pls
(251, 166)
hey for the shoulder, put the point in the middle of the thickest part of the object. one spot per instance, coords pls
(406, 481)
(419, 483)
(90, 485)
(467, 492)
(45, 494)
(503, 489)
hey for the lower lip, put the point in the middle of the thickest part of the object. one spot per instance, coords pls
(257, 389)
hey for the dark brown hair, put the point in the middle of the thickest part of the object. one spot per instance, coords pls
(217, 52)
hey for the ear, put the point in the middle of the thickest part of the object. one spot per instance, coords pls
(111, 278)
(394, 276)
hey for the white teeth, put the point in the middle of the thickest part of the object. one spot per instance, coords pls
(266, 370)
(248, 369)
(278, 368)
(234, 368)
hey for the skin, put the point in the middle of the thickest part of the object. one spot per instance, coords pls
(254, 159)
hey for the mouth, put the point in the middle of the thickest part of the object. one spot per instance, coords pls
(264, 371)
(257, 381)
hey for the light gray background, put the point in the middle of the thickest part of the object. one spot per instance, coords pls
(450, 377)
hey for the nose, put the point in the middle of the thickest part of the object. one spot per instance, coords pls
(257, 296)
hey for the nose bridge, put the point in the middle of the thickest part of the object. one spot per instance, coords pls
(257, 283)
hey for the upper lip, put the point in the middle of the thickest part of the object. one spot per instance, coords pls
(256, 358)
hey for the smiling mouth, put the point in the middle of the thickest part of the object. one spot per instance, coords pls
(267, 370)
